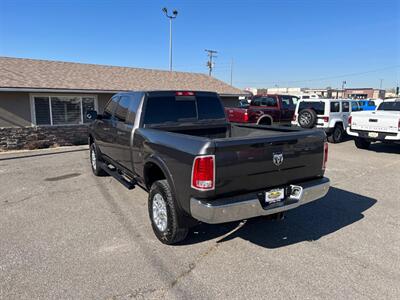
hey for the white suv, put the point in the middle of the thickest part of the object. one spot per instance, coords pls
(328, 114)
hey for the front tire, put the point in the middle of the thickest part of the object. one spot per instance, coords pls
(165, 215)
(95, 160)
(362, 143)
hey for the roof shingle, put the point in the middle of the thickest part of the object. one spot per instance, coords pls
(43, 74)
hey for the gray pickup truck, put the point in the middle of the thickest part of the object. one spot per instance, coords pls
(196, 166)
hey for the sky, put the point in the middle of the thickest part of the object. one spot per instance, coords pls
(284, 43)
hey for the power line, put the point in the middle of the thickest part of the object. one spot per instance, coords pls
(324, 78)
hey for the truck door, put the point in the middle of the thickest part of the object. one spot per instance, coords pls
(288, 107)
(125, 115)
(106, 128)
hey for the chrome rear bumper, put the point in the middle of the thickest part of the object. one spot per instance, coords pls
(249, 206)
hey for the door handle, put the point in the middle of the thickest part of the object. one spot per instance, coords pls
(106, 129)
(120, 132)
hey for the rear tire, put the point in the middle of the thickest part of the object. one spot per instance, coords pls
(337, 135)
(362, 143)
(165, 215)
(307, 118)
(95, 160)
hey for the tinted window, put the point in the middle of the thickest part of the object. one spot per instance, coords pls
(287, 101)
(346, 106)
(110, 108)
(122, 108)
(265, 101)
(306, 97)
(180, 109)
(392, 106)
(319, 107)
(209, 108)
(133, 107)
(335, 106)
(371, 103)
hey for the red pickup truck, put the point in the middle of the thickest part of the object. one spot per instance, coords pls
(265, 109)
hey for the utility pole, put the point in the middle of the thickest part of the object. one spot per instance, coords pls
(231, 70)
(343, 84)
(380, 85)
(170, 17)
(210, 64)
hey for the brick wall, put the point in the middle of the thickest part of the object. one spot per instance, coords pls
(42, 137)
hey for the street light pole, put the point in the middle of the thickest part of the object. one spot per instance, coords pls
(170, 17)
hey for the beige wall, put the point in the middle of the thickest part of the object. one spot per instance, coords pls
(14, 109)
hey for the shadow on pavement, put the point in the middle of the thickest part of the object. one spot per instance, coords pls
(386, 148)
(306, 223)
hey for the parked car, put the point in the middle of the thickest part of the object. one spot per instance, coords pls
(382, 125)
(196, 166)
(331, 115)
(367, 104)
(264, 110)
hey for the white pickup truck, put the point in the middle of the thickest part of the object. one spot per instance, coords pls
(383, 125)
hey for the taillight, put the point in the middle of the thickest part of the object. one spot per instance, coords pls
(325, 159)
(185, 93)
(203, 173)
(245, 117)
(350, 120)
(326, 119)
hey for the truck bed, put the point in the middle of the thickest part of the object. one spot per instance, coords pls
(244, 154)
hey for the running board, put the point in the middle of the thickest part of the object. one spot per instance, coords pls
(129, 184)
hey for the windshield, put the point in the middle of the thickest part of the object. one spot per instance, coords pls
(390, 106)
(174, 109)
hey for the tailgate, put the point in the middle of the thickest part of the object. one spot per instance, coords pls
(236, 114)
(245, 165)
(375, 122)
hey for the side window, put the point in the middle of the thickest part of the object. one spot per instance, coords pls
(110, 108)
(122, 108)
(270, 102)
(287, 101)
(346, 106)
(335, 107)
(133, 107)
(256, 102)
(371, 103)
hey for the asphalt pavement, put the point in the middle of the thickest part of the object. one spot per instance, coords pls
(66, 234)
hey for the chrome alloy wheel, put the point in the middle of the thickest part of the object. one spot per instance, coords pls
(160, 212)
(93, 158)
(305, 118)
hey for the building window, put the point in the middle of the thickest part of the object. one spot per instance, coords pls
(61, 110)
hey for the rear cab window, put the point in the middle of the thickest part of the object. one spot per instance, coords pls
(390, 106)
(171, 108)
(265, 101)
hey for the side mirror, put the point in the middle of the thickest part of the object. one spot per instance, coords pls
(91, 115)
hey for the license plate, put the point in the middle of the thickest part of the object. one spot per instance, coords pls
(373, 134)
(275, 195)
